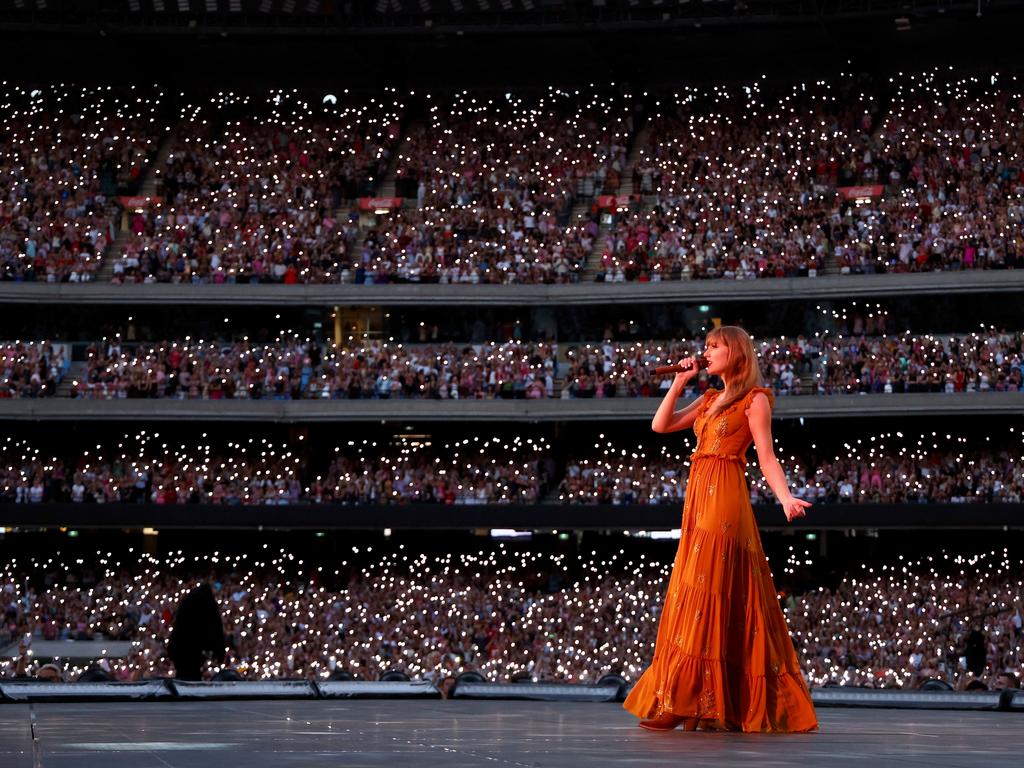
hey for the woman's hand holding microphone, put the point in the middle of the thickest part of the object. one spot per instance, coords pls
(692, 364)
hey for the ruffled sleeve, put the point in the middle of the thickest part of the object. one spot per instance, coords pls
(749, 398)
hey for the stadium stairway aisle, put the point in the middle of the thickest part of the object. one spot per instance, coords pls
(148, 188)
(75, 372)
(625, 188)
(388, 185)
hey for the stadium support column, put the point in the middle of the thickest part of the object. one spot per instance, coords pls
(337, 326)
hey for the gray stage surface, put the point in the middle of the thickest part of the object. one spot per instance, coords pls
(279, 734)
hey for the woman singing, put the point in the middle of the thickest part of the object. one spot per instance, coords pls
(723, 657)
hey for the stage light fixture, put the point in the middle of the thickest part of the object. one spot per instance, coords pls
(133, 6)
(506, 4)
(211, 6)
(425, 6)
(484, 5)
(457, 5)
(235, 6)
(528, 5)
(312, 6)
(183, 6)
(158, 5)
(265, 6)
(381, 6)
(288, 6)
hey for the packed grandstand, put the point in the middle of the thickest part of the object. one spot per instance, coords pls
(920, 172)
(509, 613)
(121, 187)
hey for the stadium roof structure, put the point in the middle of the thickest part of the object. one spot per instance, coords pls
(429, 16)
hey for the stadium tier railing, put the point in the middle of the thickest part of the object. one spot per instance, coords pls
(398, 294)
(548, 410)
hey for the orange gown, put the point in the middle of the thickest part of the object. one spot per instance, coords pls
(723, 651)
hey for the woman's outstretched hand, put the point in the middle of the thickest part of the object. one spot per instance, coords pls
(794, 508)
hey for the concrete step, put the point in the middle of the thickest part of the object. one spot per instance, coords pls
(154, 173)
(640, 140)
(75, 373)
(114, 251)
(594, 261)
(389, 183)
(150, 187)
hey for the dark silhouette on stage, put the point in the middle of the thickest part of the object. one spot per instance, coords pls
(198, 634)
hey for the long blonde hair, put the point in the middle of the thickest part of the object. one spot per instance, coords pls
(742, 369)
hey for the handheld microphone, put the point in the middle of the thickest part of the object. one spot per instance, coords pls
(665, 370)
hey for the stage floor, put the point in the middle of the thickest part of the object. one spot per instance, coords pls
(279, 734)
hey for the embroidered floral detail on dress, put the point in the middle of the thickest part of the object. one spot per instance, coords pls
(711, 489)
(699, 614)
(721, 426)
(700, 578)
(775, 667)
(726, 526)
(706, 704)
(696, 547)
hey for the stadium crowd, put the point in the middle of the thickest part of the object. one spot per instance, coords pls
(255, 199)
(68, 153)
(292, 369)
(747, 184)
(889, 468)
(495, 181)
(145, 469)
(142, 469)
(30, 369)
(760, 180)
(510, 615)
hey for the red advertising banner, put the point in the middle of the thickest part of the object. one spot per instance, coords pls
(612, 202)
(851, 193)
(138, 201)
(376, 203)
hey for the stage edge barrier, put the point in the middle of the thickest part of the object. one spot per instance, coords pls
(536, 691)
(842, 696)
(22, 691)
(37, 690)
(369, 689)
(245, 689)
